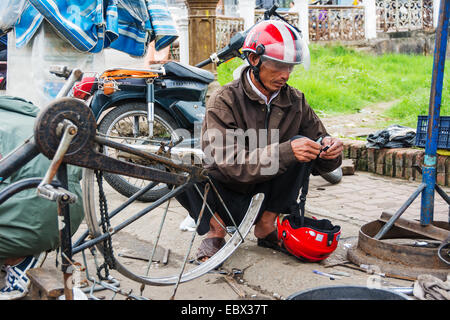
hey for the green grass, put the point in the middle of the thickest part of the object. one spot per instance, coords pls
(343, 81)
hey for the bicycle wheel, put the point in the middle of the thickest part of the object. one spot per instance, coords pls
(128, 124)
(136, 243)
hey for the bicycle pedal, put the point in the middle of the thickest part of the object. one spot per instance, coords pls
(58, 194)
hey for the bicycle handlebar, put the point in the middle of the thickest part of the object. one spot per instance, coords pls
(270, 12)
(203, 63)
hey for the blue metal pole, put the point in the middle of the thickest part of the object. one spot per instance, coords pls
(430, 159)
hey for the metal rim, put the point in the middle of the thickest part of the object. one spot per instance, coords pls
(400, 260)
(231, 245)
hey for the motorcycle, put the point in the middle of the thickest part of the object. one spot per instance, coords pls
(159, 109)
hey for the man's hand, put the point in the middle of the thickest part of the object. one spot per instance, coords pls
(305, 149)
(335, 147)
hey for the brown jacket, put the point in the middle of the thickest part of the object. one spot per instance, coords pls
(240, 163)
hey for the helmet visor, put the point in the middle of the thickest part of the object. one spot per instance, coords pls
(277, 66)
(289, 52)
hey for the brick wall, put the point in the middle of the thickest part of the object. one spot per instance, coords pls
(398, 163)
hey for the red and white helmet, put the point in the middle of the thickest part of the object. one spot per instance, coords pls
(277, 40)
(313, 241)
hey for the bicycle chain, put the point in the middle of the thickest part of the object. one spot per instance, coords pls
(105, 224)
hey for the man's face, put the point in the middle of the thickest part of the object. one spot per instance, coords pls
(273, 74)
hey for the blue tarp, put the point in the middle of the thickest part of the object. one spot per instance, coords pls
(91, 26)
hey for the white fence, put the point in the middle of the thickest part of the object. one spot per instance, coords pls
(327, 23)
(336, 23)
(404, 15)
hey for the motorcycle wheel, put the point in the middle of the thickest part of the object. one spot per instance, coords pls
(127, 123)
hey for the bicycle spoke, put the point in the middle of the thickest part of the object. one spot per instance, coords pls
(150, 260)
(210, 211)
(226, 208)
(192, 241)
(153, 246)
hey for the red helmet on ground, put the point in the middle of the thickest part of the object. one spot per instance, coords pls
(314, 241)
(276, 40)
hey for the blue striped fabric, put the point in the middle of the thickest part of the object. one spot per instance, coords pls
(4, 40)
(133, 36)
(27, 25)
(79, 22)
(3, 43)
(162, 25)
(127, 25)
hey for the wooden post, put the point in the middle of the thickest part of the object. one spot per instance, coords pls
(202, 31)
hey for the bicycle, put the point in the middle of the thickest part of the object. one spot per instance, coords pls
(65, 132)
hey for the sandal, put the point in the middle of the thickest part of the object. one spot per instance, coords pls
(208, 247)
(271, 242)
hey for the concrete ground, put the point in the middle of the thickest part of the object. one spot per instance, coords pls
(264, 274)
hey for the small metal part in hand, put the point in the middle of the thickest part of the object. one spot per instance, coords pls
(323, 150)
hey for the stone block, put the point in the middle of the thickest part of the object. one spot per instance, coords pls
(348, 167)
(346, 151)
(380, 161)
(389, 162)
(400, 156)
(371, 159)
(362, 161)
(418, 162)
(355, 149)
(410, 160)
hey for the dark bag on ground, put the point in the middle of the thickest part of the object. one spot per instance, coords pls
(394, 136)
(28, 223)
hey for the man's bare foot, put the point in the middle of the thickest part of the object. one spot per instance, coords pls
(265, 225)
(215, 231)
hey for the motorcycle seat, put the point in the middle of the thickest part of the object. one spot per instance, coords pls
(186, 71)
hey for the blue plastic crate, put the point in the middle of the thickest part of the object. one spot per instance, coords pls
(443, 136)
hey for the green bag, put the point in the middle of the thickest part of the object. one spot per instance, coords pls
(28, 223)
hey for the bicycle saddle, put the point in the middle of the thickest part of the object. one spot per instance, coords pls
(182, 70)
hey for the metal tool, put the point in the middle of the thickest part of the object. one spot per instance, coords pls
(328, 275)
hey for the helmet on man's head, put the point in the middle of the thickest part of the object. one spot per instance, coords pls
(277, 40)
(314, 240)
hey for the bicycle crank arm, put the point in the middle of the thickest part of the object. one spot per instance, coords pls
(45, 190)
(82, 150)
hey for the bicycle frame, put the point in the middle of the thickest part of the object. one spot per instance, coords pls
(58, 191)
(54, 132)
(51, 131)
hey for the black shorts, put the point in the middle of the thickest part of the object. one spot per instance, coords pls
(280, 193)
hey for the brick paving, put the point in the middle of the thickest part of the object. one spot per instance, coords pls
(362, 197)
(397, 162)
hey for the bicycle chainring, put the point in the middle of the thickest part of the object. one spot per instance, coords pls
(74, 110)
